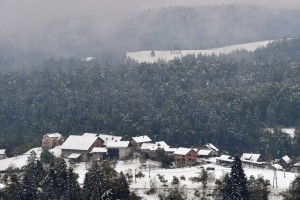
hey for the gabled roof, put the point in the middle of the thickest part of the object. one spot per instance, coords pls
(89, 135)
(78, 142)
(204, 152)
(277, 166)
(286, 159)
(296, 164)
(107, 138)
(250, 157)
(74, 155)
(226, 157)
(141, 139)
(99, 150)
(53, 136)
(162, 144)
(2, 151)
(147, 146)
(211, 147)
(118, 144)
(182, 151)
(170, 150)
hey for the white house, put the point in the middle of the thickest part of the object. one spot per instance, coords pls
(78, 147)
(254, 160)
(118, 149)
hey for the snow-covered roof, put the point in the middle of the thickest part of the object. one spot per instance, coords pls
(182, 151)
(118, 144)
(225, 157)
(53, 135)
(277, 166)
(204, 152)
(296, 164)
(141, 139)
(90, 135)
(99, 150)
(162, 144)
(78, 142)
(286, 159)
(170, 149)
(147, 146)
(2, 151)
(74, 155)
(250, 157)
(107, 138)
(212, 147)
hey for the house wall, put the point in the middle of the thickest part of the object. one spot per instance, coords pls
(123, 152)
(98, 143)
(187, 159)
(47, 143)
(66, 152)
(2, 156)
(99, 156)
(135, 146)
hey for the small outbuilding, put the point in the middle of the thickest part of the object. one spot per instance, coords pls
(51, 140)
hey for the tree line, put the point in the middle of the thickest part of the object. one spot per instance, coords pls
(219, 99)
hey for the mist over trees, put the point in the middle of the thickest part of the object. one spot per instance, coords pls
(172, 28)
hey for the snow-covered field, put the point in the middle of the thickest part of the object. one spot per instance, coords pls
(145, 56)
(143, 184)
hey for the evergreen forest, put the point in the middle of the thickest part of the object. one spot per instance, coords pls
(228, 100)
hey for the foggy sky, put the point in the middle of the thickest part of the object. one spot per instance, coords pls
(27, 17)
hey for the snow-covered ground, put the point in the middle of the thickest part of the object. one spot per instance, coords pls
(143, 184)
(21, 160)
(145, 56)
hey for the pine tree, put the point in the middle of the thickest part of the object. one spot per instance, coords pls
(62, 174)
(293, 193)
(121, 188)
(28, 190)
(72, 191)
(49, 186)
(238, 180)
(226, 188)
(95, 183)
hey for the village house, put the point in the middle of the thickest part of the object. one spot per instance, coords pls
(150, 148)
(77, 147)
(137, 142)
(208, 150)
(99, 153)
(185, 156)
(108, 138)
(224, 160)
(295, 168)
(118, 149)
(51, 140)
(253, 160)
(2, 154)
(285, 161)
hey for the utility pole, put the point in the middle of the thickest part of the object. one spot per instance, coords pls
(135, 175)
(149, 170)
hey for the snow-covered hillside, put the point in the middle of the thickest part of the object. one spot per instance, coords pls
(145, 56)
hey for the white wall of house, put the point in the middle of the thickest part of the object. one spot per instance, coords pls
(123, 152)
